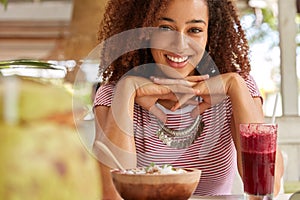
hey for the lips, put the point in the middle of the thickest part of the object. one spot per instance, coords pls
(177, 61)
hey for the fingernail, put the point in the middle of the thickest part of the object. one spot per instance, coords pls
(175, 107)
(154, 78)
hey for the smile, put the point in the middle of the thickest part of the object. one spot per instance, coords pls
(177, 59)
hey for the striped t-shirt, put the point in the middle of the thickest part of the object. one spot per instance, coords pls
(213, 151)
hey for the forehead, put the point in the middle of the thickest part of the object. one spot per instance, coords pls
(186, 9)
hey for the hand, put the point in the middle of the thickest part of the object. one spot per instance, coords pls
(185, 85)
(146, 93)
(211, 90)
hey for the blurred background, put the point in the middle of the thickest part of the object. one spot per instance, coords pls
(65, 32)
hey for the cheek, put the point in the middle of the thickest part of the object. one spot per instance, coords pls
(156, 39)
(156, 46)
(202, 41)
(167, 40)
(157, 54)
(200, 46)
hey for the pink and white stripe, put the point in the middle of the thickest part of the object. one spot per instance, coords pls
(213, 152)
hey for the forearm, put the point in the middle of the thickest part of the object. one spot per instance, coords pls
(121, 115)
(245, 108)
(119, 142)
(114, 128)
(108, 190)
(279, 169)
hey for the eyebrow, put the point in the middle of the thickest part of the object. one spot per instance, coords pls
(188, 22)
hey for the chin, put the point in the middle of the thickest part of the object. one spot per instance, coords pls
(177, 73)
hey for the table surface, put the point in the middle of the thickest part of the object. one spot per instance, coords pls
(235, 197)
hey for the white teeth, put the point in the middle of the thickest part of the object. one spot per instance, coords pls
(177, 59)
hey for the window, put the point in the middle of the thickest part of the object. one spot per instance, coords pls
(273, 54)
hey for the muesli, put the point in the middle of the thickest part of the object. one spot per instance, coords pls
(156, 170)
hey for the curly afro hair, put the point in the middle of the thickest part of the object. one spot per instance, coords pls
(226, 45)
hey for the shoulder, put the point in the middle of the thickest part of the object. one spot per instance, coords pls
(252, 86)
(104, 95)
(251, 83)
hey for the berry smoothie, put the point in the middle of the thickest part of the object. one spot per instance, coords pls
(258, 143)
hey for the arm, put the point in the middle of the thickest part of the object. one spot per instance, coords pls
(114, 128)
(114, 124)
(121, 144)
(248, 109)
(245, 108)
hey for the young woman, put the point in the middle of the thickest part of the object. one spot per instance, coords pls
(180, 99)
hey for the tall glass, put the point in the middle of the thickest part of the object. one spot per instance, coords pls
(258, 146)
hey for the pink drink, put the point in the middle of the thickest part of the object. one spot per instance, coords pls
(258, 143)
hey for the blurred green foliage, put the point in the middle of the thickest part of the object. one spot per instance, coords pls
(4, 2)
(270, 18)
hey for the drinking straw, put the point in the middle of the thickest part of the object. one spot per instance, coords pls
(274, 109)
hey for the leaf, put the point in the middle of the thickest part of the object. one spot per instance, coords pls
(32, 68)
(23, 63)
(4, 2)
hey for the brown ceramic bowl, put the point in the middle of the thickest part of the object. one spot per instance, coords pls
(156, 187)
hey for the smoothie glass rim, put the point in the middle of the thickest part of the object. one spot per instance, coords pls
(259, 123)
(248, 126)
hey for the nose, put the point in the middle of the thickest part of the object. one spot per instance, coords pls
(180, 43)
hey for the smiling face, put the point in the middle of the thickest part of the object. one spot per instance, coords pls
(179, 44)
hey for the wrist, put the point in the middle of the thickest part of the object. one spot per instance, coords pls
(244, 106)
(234, 83)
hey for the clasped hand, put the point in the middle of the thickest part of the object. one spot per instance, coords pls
(176, 93)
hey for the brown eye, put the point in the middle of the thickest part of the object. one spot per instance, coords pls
(195, 30)
(165, 28)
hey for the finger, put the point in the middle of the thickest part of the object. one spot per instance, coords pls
(165, 81)
(181, 89)
(197, 78)
(200, 109)
(176, 85)
(181, 101)
(152, 89)
(191, 102)
(158, 113)
(166, 89)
